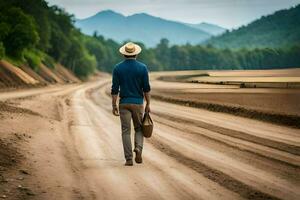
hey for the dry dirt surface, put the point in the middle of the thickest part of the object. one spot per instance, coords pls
(64, 143)
(283, 101)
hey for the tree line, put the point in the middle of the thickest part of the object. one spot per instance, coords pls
(188, 57)
(31, 31)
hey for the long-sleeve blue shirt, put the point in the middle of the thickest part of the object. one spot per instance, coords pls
(131, 78)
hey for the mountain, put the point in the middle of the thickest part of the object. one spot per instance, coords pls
(209, 28)
(141, 28)
(277, 30)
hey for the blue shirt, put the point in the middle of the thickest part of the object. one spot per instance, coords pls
(131, 77)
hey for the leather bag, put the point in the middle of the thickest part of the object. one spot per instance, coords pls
(147, 125)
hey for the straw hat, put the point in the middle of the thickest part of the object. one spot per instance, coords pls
(130, 49)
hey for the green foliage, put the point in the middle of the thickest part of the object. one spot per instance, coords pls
(105, 51)
(38, 9)
(32, 58)
(60, 43)
(79, 60)
(208, 57)
(2, 50)
(274, 31)
(86, 65)
(19, 31)
(48, 61)
(187, 57)
(32, 24)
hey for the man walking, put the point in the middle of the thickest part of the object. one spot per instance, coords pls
(131, 78)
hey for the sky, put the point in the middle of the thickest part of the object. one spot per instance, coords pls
(226, 13)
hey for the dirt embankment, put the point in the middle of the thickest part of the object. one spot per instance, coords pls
(23, 76)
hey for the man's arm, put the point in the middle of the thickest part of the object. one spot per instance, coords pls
(147, 97)
(114, 99)
(114, 92)
(146, 90)
(115, 110)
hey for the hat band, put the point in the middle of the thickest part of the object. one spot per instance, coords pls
(129, 50)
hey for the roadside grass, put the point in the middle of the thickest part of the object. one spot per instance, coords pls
(33, 58)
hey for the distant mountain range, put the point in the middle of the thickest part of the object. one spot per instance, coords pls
(277, 30)
(209, 28)
(146, 28)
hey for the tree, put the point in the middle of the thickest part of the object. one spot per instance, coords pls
(60, 43)
(20, 31)
(162, 52)
(37, 9)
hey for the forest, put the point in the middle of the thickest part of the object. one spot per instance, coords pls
(31, 31)
(187, 57)
(280, 29)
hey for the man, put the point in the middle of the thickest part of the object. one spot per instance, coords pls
(131, 77)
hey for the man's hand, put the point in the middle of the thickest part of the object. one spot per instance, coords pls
(147, 108)
(115, 111)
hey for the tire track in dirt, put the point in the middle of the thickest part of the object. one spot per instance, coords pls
(278, 156)
(215, 175)
(290, 148)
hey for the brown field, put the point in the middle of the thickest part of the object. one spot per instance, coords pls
(283, 101)
(281, 78)
(294, 72)
(270, 100)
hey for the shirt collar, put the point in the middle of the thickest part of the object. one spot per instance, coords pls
(130, 58)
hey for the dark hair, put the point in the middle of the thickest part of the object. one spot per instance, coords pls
(133, 56)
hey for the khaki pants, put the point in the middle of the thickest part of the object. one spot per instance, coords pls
(134, 112)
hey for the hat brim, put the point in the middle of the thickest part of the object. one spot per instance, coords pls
(138, 50)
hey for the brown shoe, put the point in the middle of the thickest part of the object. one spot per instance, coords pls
(129, 162)
(138, 156)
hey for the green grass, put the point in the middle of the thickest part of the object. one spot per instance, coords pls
(32, 58)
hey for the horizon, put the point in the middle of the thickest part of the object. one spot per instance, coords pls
(229, 14)
(110, 10)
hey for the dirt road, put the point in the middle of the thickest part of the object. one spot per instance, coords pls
(70, 148)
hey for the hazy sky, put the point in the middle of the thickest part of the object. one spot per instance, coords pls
(226, 13)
